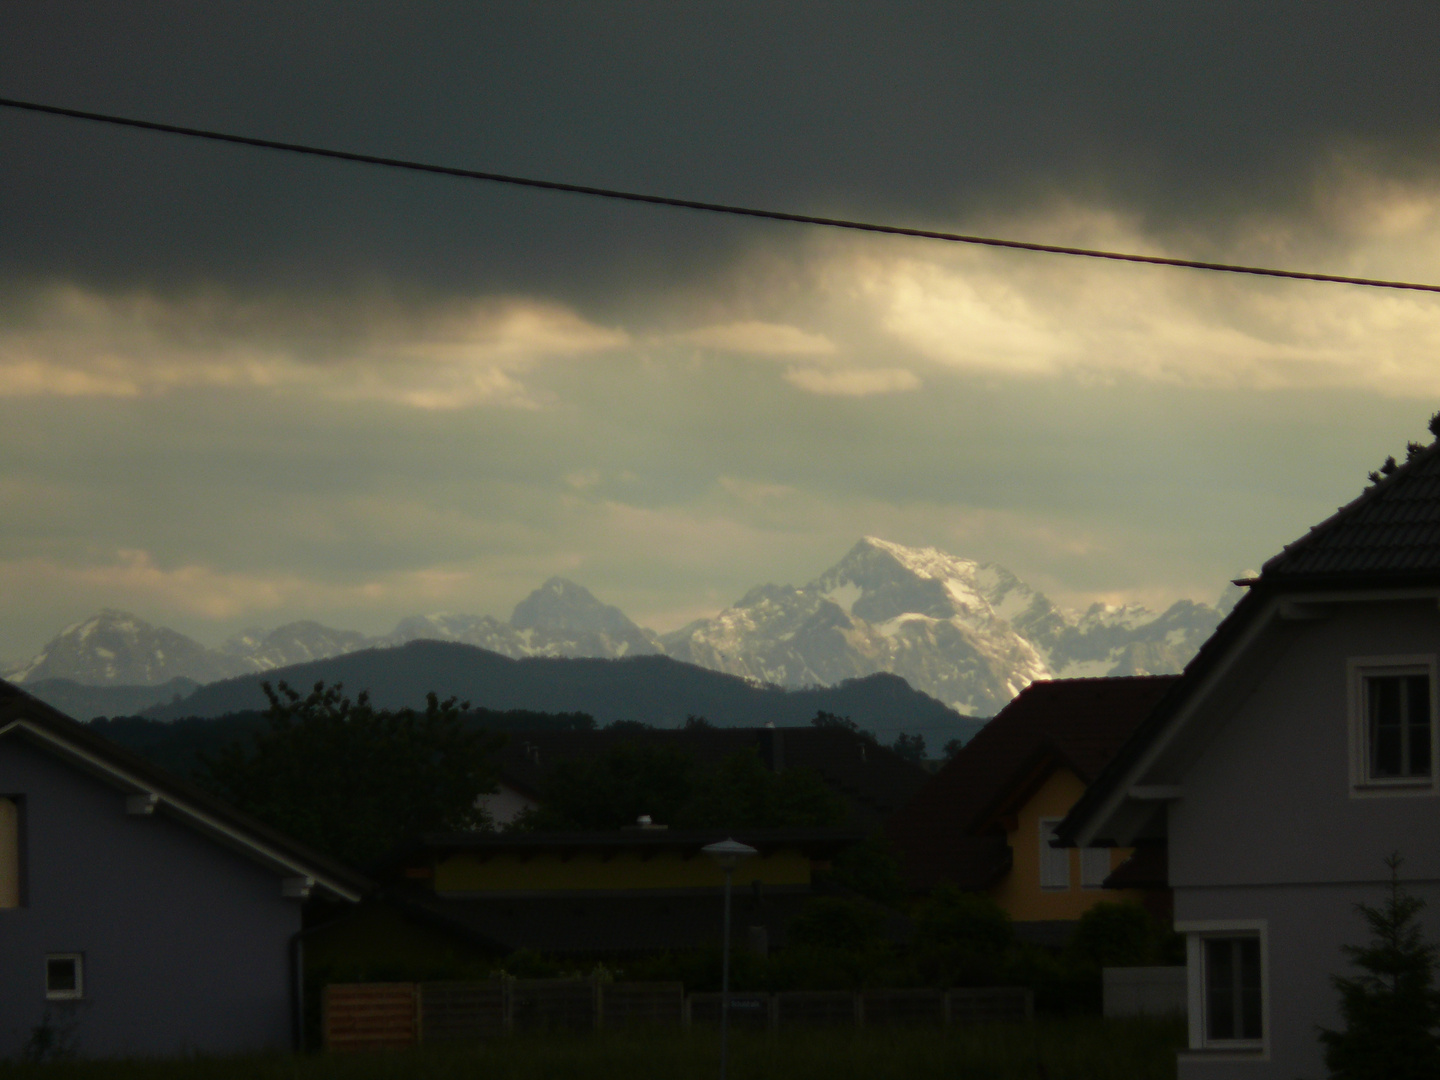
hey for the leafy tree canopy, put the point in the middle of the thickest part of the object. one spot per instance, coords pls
(823, 719)
(871, 869)
(835, 922)
(1117, 935)
(910, 747)
(613, 790)
(962, 939)
(353, 781)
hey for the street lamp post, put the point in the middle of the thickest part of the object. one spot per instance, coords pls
(727, 855)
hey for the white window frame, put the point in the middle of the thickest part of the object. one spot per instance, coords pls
(1196, 934)
(1359, 670)
(1051, 859)
(78, 959)
(1094, 867)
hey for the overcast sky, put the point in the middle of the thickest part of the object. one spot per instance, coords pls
(239, 388)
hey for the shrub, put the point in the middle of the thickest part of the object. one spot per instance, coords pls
(961, 939)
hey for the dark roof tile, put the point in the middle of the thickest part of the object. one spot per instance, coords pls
(1391, 529)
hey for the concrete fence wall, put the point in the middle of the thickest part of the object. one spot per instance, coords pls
(360, 1016)
(1144, 991)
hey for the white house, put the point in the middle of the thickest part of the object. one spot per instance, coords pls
(1296, 752)
(139, 915)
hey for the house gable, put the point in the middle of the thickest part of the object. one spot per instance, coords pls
(1282, 756)
(151, 790)
(952, 830)
(1023, 892)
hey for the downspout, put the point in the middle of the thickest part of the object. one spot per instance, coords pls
(297, 980)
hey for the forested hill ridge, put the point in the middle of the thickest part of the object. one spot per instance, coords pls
(654, 690)
(969, 634)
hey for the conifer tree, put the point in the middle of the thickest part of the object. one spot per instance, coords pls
(1392, 1011)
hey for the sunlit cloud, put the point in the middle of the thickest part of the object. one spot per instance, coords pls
(852, 382)
(133, 579)
(753, 491)
(1032, 317)
(77, 343)
(759, 338)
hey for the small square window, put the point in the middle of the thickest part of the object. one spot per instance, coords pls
(64, 976)
(1392, 722)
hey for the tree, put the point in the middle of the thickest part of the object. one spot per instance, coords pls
(910, 747)
(1115, 935)
(870, 869)
(353, 781)
(836, 922)
(611, 791)
(823, 719)
(634, 778)
(744, 793)
(1392, 1012)
(962, 939)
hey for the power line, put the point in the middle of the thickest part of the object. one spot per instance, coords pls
(708, 207)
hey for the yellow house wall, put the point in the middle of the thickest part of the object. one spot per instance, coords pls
(1019, 892)
(588, 871)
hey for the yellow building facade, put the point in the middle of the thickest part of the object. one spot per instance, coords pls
(1046, 884)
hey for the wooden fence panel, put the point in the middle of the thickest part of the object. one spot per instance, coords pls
(816, 1008)
(460, 1011)
(538, 1004)
(359, 1016)
(1002, 1004)
(899, 1007)
(623, 1004)
(370, 1016)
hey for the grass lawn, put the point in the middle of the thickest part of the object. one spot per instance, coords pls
(1086, 1048)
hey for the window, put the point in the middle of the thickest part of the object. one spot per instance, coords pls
(9, 853)
(64, 977)
(1054, 862)
(1233, 1006)
(1229, 1004)
(1094, 867)
(1393, 725)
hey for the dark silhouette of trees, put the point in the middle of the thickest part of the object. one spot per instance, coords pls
(613, 790)
(353, 781)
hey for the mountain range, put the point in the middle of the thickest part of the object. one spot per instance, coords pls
(969, 634)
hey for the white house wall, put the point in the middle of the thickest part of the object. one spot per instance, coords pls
(184, 942)
(1267, 828)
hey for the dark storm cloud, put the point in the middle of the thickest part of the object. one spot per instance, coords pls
(1186, 116)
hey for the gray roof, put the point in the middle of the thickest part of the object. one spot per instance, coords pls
(1392, 528)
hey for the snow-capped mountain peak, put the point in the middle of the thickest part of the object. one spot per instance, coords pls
(968, 633)
(115, 648)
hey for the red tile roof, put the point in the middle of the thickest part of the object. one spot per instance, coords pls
(1078, 722)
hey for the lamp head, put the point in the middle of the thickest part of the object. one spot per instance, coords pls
(728, 853)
